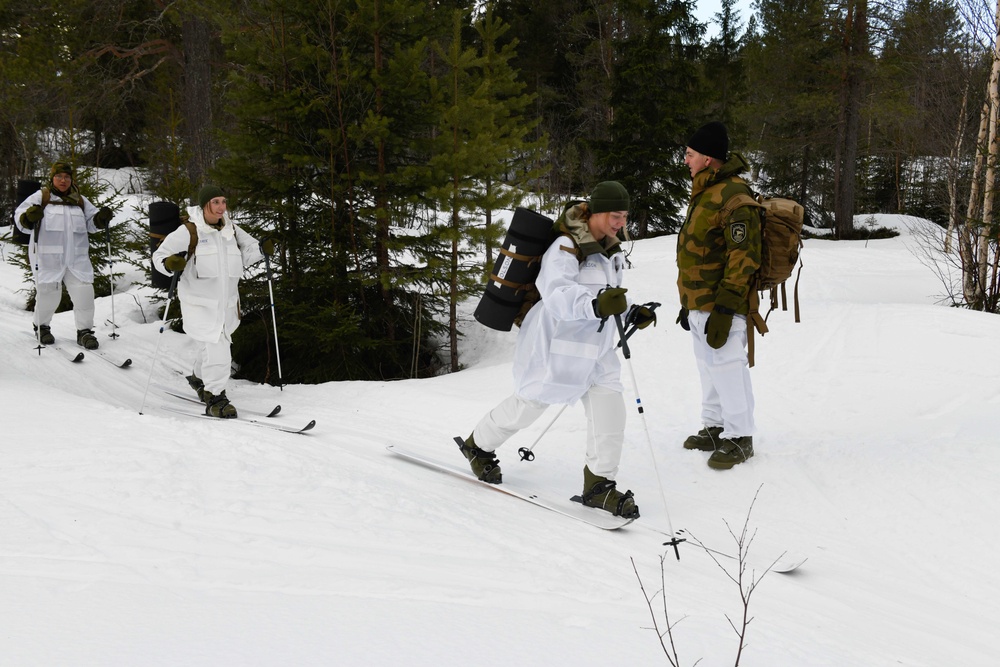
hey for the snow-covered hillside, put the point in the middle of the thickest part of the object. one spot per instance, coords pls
(155, 539)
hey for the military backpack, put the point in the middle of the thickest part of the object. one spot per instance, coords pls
(781, 223)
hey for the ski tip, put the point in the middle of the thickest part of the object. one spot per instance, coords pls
(126, 363)
(274, 412)
(309, 426)
(78, 358)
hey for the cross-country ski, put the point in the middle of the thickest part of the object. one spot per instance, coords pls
(568, 508)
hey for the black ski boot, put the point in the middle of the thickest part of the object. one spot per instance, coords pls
(484, 464)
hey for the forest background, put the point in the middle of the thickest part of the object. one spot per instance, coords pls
(375, 140)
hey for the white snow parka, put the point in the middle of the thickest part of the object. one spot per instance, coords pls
(62, 243)
(560, 353)
(208, 287)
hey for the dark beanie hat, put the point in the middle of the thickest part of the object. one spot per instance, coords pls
(711, 140)
(61, 168)
(608, 196)
(208, 193)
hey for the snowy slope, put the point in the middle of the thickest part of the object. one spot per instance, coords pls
(153, 539)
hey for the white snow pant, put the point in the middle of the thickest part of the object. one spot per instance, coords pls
(726, 392)
(213, 364)
(605, 410)
(48, 296)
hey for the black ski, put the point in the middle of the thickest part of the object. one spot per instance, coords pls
(191, 399)
(253, 422)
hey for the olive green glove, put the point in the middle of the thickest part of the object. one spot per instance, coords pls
(103, 217)
(642, 316)
(720, 321)
(31, 217)
(175, 263)
(267, 247)
(610, 301)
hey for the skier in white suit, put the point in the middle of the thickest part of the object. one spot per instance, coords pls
(567, 349)
(208, 290)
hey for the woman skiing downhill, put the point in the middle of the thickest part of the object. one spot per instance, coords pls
(208, 290)
(566, 350)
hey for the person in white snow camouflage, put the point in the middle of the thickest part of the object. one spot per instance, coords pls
(208, 290)
(566, 348)
(58, 219)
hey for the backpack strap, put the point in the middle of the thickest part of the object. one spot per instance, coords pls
(754, 320)
(755, 323)
(739, 200)
(193, 244)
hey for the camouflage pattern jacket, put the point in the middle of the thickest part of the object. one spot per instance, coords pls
(718, 256)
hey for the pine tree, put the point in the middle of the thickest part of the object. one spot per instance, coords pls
(789, 55)
(480, 139)
(658, 92)
(328, 154)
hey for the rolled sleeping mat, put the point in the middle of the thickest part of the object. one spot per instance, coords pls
(530, 234)
(164, 217)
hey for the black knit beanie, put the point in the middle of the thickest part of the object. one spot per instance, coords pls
(609, 196)
(712, 140)
(208, 193)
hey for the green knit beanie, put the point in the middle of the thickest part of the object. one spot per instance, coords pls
(609, 196)
(208, 193)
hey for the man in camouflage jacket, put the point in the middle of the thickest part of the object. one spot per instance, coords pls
(717, 256)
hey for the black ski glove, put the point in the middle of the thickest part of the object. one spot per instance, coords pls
(103, 217)
(682, 319)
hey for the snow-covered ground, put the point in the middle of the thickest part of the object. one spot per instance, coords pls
(154, 539)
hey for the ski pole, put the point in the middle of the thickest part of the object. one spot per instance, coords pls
(525, 452)
(111, 280)
(163, 325)
(274, 318)
(674, 540)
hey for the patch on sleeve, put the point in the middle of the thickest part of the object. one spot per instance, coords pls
(738, 232)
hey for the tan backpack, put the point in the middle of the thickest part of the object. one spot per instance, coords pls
(781, 223)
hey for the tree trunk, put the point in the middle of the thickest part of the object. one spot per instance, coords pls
(197, 105)
(993, 147)
(954, 171)
(855, 53)
(967, 242)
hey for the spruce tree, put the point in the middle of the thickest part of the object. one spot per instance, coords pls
(657, 99)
